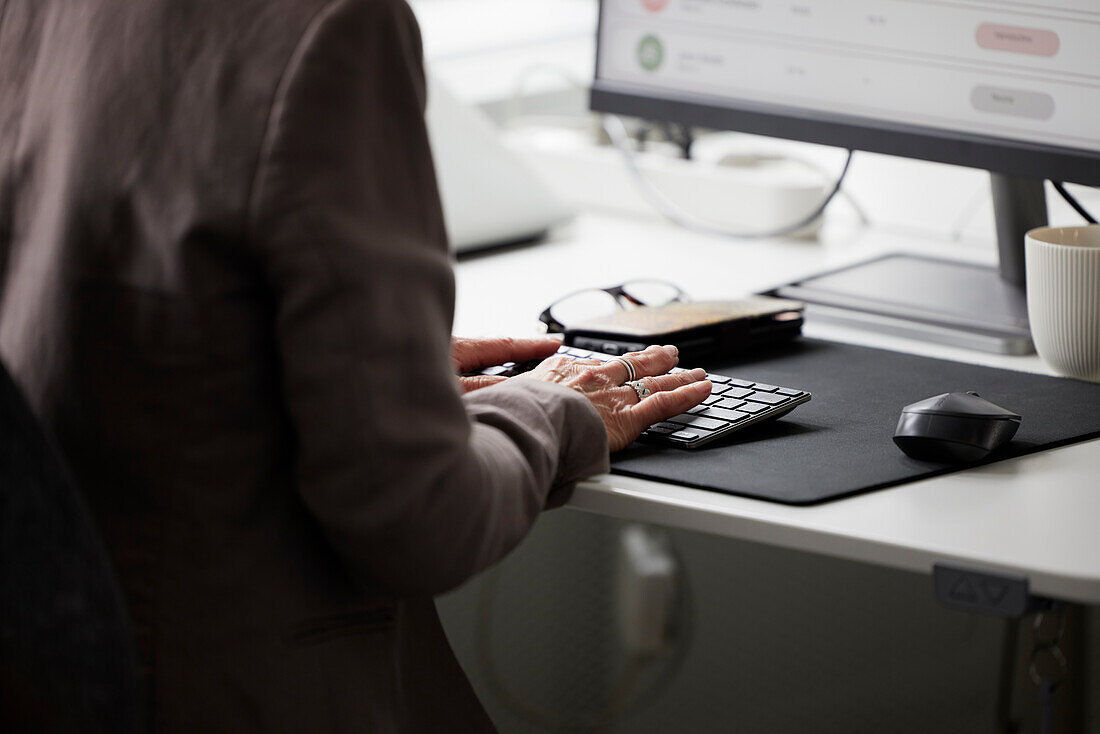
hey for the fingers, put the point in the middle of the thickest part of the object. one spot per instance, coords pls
(653, 360)
(470, 354)
(667, 403)
(673, 381)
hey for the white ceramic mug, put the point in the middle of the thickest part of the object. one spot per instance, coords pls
(1063, 297)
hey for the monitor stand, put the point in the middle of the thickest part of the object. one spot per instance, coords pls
(943, 301)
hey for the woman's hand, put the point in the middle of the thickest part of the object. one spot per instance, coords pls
(624, 414)
(470, 354)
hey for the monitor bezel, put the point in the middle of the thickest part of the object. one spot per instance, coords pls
(1013, 157)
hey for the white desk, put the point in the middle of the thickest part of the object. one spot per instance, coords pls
(1037, 516)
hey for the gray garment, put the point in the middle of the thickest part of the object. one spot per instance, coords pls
(227, 292)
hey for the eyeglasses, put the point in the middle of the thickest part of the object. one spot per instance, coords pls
(593, 302)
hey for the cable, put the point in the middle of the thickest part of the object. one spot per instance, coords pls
(626, 695)
(616, 130)
(626, 698)
(683, 137)
(680, 135)
(856, 207)
(1061, 189)
(969, 210)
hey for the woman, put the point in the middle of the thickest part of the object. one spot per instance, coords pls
(227, 293)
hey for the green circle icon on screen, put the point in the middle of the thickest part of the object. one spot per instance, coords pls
(650, 53)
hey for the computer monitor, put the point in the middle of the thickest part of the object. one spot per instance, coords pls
(1009, 87)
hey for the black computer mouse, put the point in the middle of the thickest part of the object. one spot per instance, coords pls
(954, 427)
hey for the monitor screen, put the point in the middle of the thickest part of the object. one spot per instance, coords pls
(1009, 86)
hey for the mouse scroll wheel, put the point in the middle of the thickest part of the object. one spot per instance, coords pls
(971, 392)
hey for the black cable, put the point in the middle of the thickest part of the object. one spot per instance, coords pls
(1061, 189)
(682, 136)
(616, 131)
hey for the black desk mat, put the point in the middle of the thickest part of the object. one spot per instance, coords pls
(841, 442)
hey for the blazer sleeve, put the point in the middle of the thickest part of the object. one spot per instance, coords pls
(414, 485)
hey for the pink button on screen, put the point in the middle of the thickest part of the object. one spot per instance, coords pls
(1034, 41)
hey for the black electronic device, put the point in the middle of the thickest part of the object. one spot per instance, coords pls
(701, 330)
(1010, 89)
(954, 427)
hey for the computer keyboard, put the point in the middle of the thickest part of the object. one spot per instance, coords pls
(733, 404)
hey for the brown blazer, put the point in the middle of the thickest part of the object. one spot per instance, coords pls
(226, 291)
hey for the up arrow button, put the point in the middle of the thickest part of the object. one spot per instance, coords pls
(963, 591)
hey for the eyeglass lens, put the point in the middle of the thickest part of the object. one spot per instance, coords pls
(595, 302)
(652, 292)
